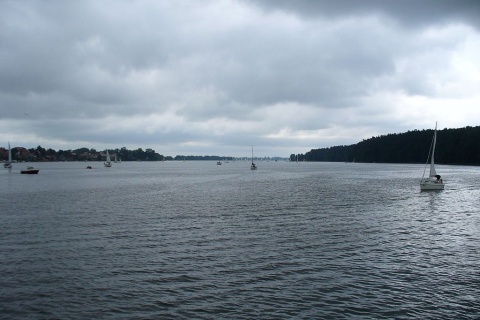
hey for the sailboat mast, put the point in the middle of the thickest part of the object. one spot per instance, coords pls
(432, 159)
(9, 153)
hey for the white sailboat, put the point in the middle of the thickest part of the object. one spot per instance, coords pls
(253, 166)
(8, 164)
(433, 181)
(108, 162)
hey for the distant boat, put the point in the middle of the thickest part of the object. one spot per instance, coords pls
(8, 164)
(219, 163)
(30, 170)
(434, 181)
(108, 162)
(253, 166)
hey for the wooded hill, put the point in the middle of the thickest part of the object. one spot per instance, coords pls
(454, 146)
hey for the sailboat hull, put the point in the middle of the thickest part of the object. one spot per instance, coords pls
(431, 185)
(29, 171)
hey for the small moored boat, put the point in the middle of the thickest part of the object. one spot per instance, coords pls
(30, 170)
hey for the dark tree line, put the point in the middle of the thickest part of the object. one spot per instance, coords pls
(216, 158)
(86, 154)
(137, 155)
(81, 154)
(454, 146)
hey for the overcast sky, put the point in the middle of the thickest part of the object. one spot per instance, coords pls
(215, 77)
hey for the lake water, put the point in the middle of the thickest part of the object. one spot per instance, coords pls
(195, 240)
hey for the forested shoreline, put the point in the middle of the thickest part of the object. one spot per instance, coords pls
(40, 154)
(82, 154)
(454, 146)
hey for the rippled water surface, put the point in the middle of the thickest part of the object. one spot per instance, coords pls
(184, 240)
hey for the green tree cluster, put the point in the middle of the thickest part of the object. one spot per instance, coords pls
(81, 154)
(454, 146)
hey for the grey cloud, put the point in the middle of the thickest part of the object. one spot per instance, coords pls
(410, 13)
(242, 63)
